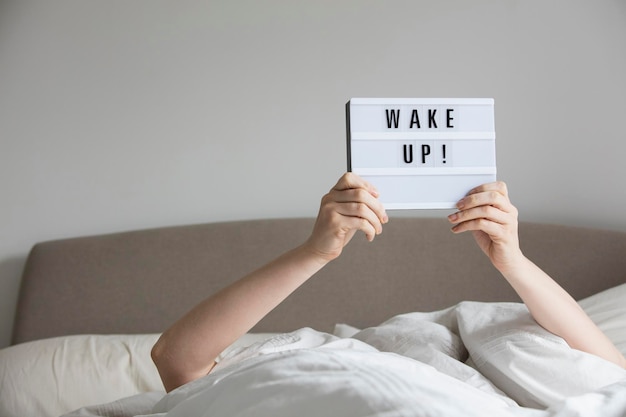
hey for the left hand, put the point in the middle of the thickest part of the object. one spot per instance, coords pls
(487, 211)
(351, 205)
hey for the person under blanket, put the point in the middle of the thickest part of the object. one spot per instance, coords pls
(188, 349)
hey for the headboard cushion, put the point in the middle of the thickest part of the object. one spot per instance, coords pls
(142, 281)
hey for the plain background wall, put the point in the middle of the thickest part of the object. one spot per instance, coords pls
(121, 115)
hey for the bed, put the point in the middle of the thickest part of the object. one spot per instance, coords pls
(419, 302)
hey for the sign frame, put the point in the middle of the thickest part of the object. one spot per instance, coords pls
(421, 153)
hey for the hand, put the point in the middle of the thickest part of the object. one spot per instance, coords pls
(488, 213)
(351, 205)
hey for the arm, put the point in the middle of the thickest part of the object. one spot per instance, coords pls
(487, 212)
(187, 350)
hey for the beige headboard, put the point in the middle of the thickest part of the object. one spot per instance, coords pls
(142, 281)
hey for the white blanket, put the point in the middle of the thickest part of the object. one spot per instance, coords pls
(473, 359)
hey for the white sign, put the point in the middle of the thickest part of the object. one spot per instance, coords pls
(421, 153)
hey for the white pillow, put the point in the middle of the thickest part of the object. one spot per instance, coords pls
(344, 330)
(608, 310)
(431, 338)
(533, 366)
(51, 377)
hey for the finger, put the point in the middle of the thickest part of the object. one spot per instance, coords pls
(362, 196)
(357, 223)
(341, 220)
(487, 212)
(349, 204)
(498, 186)
(362, 212)
(350, 180)
(486, 197)
(502, 212)
(494, 230)
(483, 218)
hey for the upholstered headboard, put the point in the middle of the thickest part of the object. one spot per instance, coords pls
(142, 281)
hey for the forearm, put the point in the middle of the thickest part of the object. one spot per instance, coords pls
(555, 310)
(187, 350)
(487, 211)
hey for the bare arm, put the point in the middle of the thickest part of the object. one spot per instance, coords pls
(187, 350)
(488, 213)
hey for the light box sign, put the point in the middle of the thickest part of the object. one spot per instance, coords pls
(421, 153)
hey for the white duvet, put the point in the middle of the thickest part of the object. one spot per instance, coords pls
(473, 359)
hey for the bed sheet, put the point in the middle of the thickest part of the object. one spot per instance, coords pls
(482, 359)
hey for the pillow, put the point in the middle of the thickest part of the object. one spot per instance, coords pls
(344, 330)
(51, 377)
(533, 366)
(433, 339)
(416, 335)
(608, 310)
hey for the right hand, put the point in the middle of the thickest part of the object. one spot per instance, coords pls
(351, 205)
(487, 211)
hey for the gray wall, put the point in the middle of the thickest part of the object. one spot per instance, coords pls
(120, 115)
